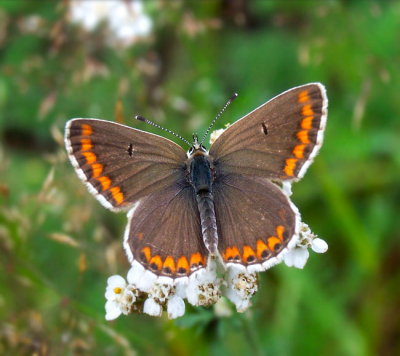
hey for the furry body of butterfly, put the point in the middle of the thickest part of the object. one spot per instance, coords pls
(201, 179)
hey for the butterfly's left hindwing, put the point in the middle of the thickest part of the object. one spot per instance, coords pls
(255, 221)
(278, 140)
(120, 164)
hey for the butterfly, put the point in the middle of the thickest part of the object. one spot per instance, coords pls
(225, 203)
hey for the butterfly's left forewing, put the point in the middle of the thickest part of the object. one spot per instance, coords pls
(278, 140)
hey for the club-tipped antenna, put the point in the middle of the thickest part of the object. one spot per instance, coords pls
(223, 109)
(141, 118)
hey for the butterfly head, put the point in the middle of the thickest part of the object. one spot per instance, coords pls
(196, 146)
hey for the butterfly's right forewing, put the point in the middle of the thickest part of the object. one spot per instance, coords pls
(120, 164)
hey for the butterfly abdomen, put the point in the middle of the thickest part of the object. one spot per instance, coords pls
(201, 179)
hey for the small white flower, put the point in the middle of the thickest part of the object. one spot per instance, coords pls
(115, 288)
(298, 255)
(222, 308)
(215, 134)
(151, 307)
(126, 19)
(204, 287)
(175, 307)
(240, 287)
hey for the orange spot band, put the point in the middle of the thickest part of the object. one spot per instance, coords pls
(86, 144)
(105, 182)
(147, 253)
(97, 168)
(90, 157)
(306, 123)
(86, 130)
(261, 247)
(196, 259)
(117, 194)
(183, 263)
(169, 263)
(303, 96)
(279, 230)
(272, 242)
(290, 166)
(231, 253)
(247, 252)
(299, 151)
(157, 261)
(307, 111)
(303, 136)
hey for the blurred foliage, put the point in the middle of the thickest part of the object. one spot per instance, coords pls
(58, 245)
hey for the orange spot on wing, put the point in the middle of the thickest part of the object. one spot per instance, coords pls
(196, 259)
(261, 247)
(90, 157)
(105, 182)
(147, 253)
(231, 253)
(117, 194)
(86, 144)
(139, 235)
(183, 264)
(306, 123)
(247, 252)
(97, 168)
(307, 111)
(279, 230)
(303, 96)
(86, 130)
(303, 136)
(169, 263)
(299, 151)
(157, 261)
(290, 166)
(272, 242)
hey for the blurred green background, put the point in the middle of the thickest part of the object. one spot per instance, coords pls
(177, 63)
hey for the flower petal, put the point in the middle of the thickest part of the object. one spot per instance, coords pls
(116, 281)
(112, 310)
(151, 307)
(176, 307)
(318, 245)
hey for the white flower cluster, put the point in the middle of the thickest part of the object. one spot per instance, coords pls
(126, 19)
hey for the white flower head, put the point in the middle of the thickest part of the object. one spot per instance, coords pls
(126, 19)
(240, 286)
(216, 133)
(122, 298)
(203, 288)
(298, 255)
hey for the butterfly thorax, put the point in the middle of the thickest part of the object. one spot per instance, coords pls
(200, 172)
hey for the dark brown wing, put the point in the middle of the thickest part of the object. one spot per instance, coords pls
(255, 220)
(278, 140)
(164, 233)
(120, 164)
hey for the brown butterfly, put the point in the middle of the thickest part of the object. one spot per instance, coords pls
(225, 202)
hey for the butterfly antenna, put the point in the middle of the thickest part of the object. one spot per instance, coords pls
(223, 109)
(141, 118)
